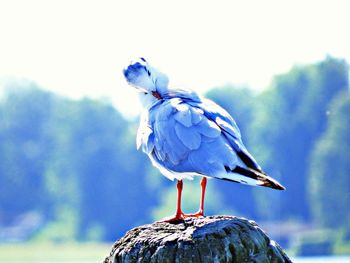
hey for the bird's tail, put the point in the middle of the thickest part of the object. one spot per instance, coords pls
(252, 177)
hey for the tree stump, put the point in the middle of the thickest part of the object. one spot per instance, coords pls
(205, 239)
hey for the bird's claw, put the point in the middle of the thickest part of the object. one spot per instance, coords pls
(178, 217)
(198, 214)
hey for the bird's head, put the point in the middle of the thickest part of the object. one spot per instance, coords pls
(146, 78)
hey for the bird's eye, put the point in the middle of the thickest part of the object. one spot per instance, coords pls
(144, 60)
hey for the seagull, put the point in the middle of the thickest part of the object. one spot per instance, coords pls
(186, 135)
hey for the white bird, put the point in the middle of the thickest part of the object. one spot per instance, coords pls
(185, 135)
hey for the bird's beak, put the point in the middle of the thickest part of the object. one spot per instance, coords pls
(141, 90)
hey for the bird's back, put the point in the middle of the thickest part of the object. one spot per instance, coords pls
(184, 137)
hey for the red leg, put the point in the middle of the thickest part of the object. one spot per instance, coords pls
(204, 186)
(201, 206)
(179, 187)
(179, 214)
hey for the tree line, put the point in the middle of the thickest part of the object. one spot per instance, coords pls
(75, 162)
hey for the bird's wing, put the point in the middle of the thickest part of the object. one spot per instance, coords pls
(185, 138)
(247, 170)
(180, 138)
(230, 130)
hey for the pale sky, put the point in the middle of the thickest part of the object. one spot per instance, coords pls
(79, 48)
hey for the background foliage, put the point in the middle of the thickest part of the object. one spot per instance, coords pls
(74, 165)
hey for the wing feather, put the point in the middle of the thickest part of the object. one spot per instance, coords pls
(183, 115)
(194, 137)
(190, 137)
(231, 131)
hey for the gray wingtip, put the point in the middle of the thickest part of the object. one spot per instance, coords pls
(272, 183)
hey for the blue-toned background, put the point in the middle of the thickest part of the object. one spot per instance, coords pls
(69, 170)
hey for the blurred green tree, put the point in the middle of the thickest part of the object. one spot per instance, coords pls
(330, 168)
(291, 116)
(96, 171)
(74, 162)
(24, 147)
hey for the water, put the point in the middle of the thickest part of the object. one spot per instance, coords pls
(332, 259)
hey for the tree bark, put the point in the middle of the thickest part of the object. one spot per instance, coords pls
(205, 239)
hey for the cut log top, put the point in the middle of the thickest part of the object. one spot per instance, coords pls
(205, 239)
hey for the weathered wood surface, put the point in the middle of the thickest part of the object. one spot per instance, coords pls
(205, 239)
